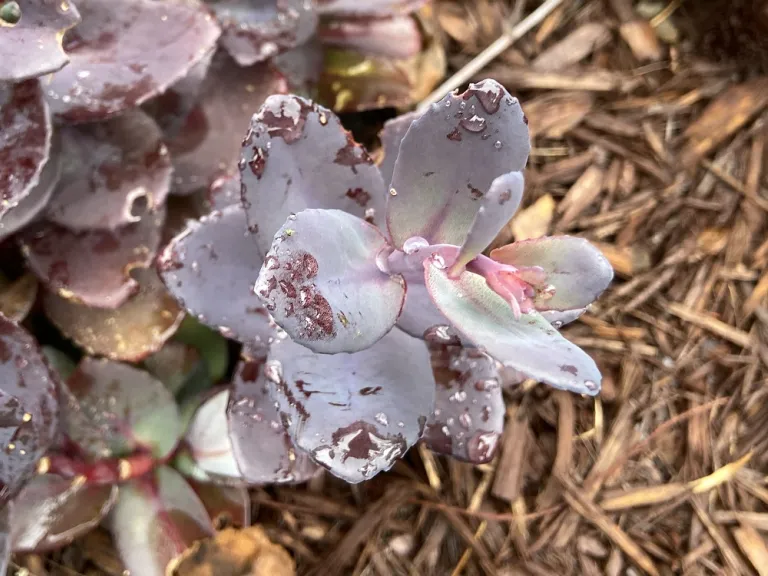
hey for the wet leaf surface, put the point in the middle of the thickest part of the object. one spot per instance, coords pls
(114, 172)
(296, 155)
(93, 268)
(419, 312)
(52, 511)
(529, 344)
(32, 46)
(155, 520)
(208, 144)
(576, 270)
(25, 140)
(256, 31)
(28, 407)
(121, 58)
(113, 409)
(131, 332)
(469, 408)
(391, 137)
(448, 160)
(262, 446)
(321, 282)
(354, 413)
(211, 268)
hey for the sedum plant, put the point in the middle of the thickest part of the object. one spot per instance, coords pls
(337, 279)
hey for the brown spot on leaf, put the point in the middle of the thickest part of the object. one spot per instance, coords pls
(454, 135)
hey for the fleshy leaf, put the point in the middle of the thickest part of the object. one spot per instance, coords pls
(558, 318)
(262, 447)
(131, 332)
(322, 285)
(18, 297)
(354, 413)
(29, 404)
(25, 140)
(301, 67)
(296, 155)
(119, 58)
(254, 31)
(469, 408)
(51, 511)
(496, 208)
(176, 365)
(224, 191)
(211, 345)
(419, 313)
(577, 272)
(391, 137)
(113, 173)
(208, 145)
(36, 201)
(211, 268)
(448, 160)
(155, 520)
(114, 409)
(369, 8)
(32, 46)
(207, 438)
(530, 344)
(93, 268)
(395, 37)
(226, 505)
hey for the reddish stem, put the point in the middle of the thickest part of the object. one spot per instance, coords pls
(106, 471)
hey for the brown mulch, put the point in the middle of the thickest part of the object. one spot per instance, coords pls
(649, 139)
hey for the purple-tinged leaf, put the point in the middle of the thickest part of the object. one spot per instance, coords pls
(93, 268)
(391, 137)
(296, 155)
(354, 413)
(114, 172)
(32, 46)
(224, 191)
(36, 201)
(321, 282)
(155, 520)
(207, 439)
(210, 268)
(120, 58)
(29, 405)
(254, 31)
(496, 208)
(419, 313)
(394, 37)
(559, 318)
(529, 344)
(448, 160)
(226, 505)
(371, 8)
(301, 67)
(208, 145)
(113, 410)
(18, 297)
(469, 408)
(576, 271)
(262, 447)
(131, 332)
(5, 537)
(25, 140)
(51, 511)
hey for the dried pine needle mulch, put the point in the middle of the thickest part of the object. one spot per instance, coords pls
(650, 140)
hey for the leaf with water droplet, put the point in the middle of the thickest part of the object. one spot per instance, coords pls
(25, 140)
(131, 332)
(332, 404)
(93, 268)
(529, 344)
(210, 268)
(40, 24)
(322, 284)
(576, 271)
(443, 168)
(51, 511)
(112, 409)
(468, 418)
(119, 59)
(263, 449)
(255, 31)
(391, 137)
(114, 172)
(296, 155)
(155, 519)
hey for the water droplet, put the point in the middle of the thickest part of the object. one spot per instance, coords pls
(474, 124)
(439, 261)
(414, 244)
(273, 370)
(458, 396)
(392, 192)
(498, 145)
(591, 386)
(557, 324)
(465, 420)
(292, 216)
(381, 418)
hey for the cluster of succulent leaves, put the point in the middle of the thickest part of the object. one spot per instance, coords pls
(119, 119)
